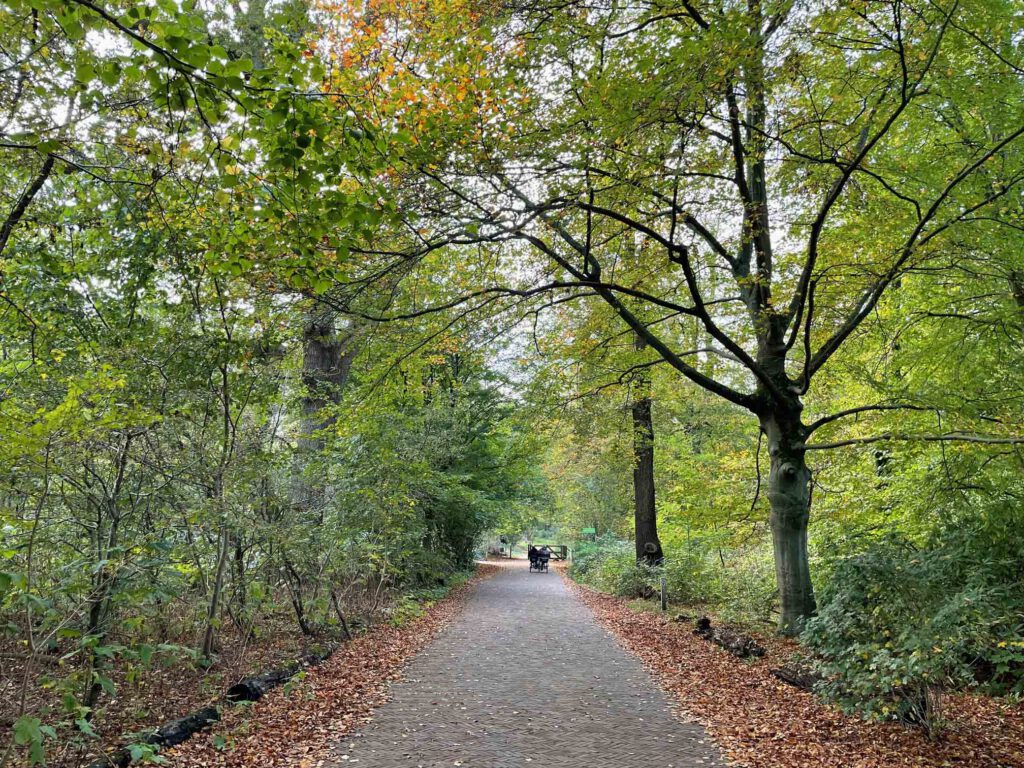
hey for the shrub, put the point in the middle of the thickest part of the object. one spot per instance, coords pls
(588, 555)
(692, 575)
(610, 566)
(690, 578)
(617, 572)
(633, 579)
(899, 626)
(746, 588)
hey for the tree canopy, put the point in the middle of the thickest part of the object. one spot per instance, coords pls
(300, 302)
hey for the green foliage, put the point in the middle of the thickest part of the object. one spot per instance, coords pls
(689, 577)
(31, 732)
(166, 474)
(444, 463)
(742, 591)
(587, 556)
(414, 603)
(200, 200)
(610, 565)
(900, 625)
(144, 753)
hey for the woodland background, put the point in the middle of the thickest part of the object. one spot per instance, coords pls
(302, 303)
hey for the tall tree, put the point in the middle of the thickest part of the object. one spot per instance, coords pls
(792, 164)
(645, 517)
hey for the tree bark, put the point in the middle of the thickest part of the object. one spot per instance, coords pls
(341, 614)
(789, 496)
(103, 584)
(326, 364)
(294, 583)
(648, 546)
(1017, 289)
(105, 577)
(14, 217)
(213, 609)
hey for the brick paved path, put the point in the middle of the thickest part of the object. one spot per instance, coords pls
(526, 677)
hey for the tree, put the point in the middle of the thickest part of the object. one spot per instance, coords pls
(765, 157)
(648, 546)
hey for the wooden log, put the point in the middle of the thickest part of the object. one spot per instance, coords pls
(799, 674)
(167, 735)
(741, 646)
(250, 689)
(177, 731)
(254, 688)
(121, 758)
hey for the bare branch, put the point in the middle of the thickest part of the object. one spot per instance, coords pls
(949, 437)
(862, 409)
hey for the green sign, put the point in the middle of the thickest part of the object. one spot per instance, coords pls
(589, 531)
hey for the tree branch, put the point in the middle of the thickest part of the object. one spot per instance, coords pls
(864, 148)
(862, 409)
(949, 437)
(871, 296)
(24, 201)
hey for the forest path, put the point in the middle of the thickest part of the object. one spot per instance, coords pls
(525, 675)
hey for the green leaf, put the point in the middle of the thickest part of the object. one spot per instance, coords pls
(27, 730)
(110, 74)
(106, 684)
(85, 73)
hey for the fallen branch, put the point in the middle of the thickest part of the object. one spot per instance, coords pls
(168, 735)
(253, 688)
(742, 646)
(250, 689)
(799, 674)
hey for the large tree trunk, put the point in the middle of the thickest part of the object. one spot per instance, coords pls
(648, 546)
(326, 364)
(789, 494)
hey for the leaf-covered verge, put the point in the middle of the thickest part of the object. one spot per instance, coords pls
(760, 722)
(902, 624)
(174, 684)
